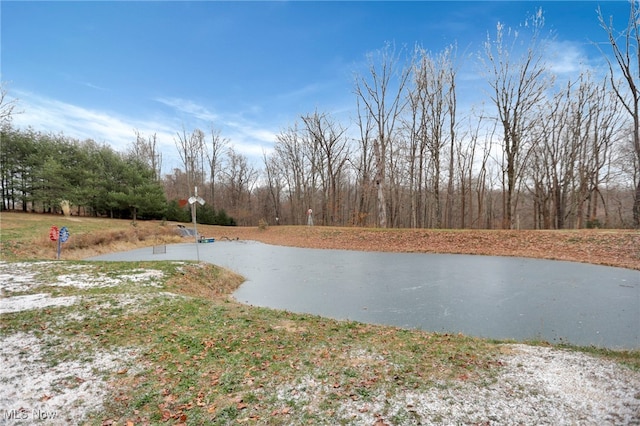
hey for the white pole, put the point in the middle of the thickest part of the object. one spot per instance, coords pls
(195, 226)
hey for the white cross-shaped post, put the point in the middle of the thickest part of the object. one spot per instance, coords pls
(192, 201)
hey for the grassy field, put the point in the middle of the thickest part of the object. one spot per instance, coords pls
(188, 354)
(26, 236)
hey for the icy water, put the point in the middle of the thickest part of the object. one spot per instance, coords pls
(484, 296)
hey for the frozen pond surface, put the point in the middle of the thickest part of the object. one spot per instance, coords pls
(484, 296)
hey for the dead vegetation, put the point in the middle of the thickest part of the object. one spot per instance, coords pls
(205, 280)
(95, 236)
(26, 236)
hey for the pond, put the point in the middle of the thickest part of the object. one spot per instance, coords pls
(483, 296)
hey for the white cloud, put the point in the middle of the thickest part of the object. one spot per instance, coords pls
(189, 107)
(94, 86)
(245, 131)
(53, 116)
(246, 137)
(307, 90)
(249, 141)
(567, 58)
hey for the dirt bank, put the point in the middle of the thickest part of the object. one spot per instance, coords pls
(602, 247)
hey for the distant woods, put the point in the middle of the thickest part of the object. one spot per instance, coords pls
(542, 150)
(539, 150)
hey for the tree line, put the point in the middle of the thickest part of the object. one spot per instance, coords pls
(41, 172)
(539, 152)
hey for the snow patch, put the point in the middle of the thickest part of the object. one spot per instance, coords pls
(83, 281)
(536, 385)
(33, 301)
(70, 389)
(18, 276)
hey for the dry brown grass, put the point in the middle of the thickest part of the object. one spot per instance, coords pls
(108, 241)
(205, 280)
(25, 236)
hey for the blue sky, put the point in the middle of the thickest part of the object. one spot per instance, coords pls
(101, 70)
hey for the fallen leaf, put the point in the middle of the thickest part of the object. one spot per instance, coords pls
(166, 415)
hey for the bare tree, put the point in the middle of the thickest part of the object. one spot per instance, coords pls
(518, 87)
(334, 150)
(240, 178)
(291, 158)
(7, 106)
(146, 150)
(625, 45)
(174, 184)
(552, 163)
(363, 167)
(275, 184)
(416, 150)
(433, 105)
(191, 150)
(568, 164)
(451, 98)
(214, 153)
(602, 129)
(471, 169)
(382, 96)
